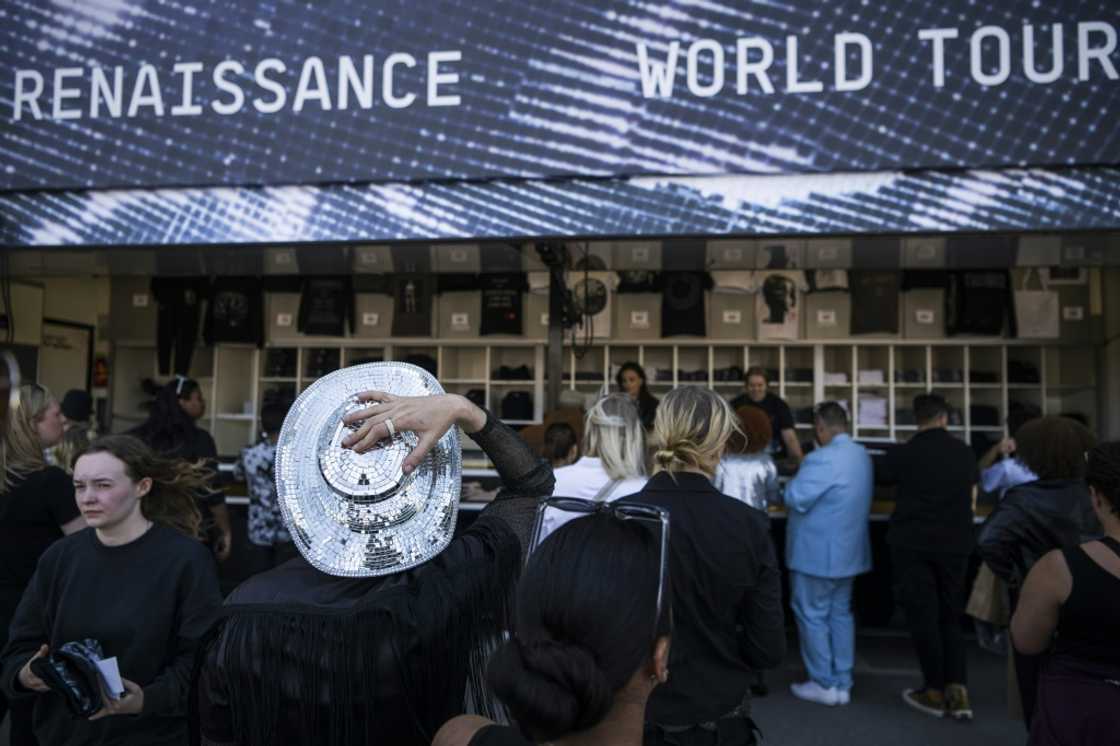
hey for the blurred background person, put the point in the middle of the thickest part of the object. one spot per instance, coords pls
(36, 509)
(727, 608)
(271, 543)
(589, 645)
(827, 545)
(1069, 611)
(77, 409)
(784, 445)
(139, 583)
(171, 431)
(631, 380)
(1051, 512)
(561, 446)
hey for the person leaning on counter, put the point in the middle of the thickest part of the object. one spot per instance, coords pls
(784, 444)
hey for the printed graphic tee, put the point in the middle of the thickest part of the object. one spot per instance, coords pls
(682, 303)
(778, 303)
(501, 303)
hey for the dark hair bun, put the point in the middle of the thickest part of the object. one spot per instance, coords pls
(551, 688)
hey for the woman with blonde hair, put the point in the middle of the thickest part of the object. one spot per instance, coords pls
(140, 584)
(614, 448)
(36, 509)
(727, 608)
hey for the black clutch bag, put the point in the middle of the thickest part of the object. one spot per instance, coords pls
(72, 673)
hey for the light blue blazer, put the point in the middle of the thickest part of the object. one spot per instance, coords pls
(829, 504)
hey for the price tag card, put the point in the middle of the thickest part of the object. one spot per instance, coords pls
(1073, 313)
(139, 300)
(732, 317)
(283, 319)
(924, 316)
(826, 318)
(460, 322)
(639, 319)
(371, 319)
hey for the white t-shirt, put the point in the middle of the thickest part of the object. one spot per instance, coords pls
(584, 479)
(592, 294)
(778, 303)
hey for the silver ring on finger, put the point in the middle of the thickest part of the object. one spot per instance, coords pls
(390, 427)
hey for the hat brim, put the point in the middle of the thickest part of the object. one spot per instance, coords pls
(354, 535)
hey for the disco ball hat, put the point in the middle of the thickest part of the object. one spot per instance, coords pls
(358, 514)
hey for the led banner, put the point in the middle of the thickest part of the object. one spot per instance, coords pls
(141, 93)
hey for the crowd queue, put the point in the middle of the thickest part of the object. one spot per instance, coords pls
(646, 612)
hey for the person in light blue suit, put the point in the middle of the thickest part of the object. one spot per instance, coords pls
(827, 545)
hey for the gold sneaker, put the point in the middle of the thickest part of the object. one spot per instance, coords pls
(929, 701)
(956, 702)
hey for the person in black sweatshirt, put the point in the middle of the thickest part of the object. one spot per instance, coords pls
(138, 581)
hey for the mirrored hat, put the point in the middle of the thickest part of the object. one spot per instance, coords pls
(359, 515)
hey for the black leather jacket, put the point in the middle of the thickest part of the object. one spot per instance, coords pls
(1033, 519)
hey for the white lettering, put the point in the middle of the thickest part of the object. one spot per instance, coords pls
(237, 96)
(348, 78)
(391, 98)
(279, 93)
(865, 54)
(312, 67)
(758, 68)
(938, 37)
(657, 78)
(61, 93)
(1086, 53)
(793, 85)
(705, 45)
(100, 90)
(976, 44)
(29, 97)
(1057, 62)
(437, 78)
(188, 108)
(147, 78)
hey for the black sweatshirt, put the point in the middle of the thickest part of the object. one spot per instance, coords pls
(147, 602)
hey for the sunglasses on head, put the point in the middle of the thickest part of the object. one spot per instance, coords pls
(654, 518)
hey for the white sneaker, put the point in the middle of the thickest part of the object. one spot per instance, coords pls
(843, 696)
(811, 691)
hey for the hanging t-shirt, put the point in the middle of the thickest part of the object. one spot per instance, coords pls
(682, 303)
(412, 305)
(235, 312)
(325, 304)
(501, 303)
(412, 259)
(977, 303)
(828, 279)
(591, 293)
(874, 302)
(778, 303)
(876, 252)
(728, 281)
(639, 281)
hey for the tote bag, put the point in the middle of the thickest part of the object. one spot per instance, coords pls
(1037, 312)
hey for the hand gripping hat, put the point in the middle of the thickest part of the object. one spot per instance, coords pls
(359, 515)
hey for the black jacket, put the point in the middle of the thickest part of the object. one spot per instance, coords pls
(304, 657)
(1033, 519)
(727, 599)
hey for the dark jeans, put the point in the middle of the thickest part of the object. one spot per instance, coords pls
(930, 586)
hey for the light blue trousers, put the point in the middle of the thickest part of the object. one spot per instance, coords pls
(823, 608)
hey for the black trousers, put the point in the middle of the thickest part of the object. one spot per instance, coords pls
(930, 586)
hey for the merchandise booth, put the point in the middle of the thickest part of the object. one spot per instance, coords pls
(869, 202)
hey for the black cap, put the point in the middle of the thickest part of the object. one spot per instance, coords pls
(77, 405)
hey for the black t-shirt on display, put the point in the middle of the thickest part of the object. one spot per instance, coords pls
(977, 302)
(501, 303)
(781, 418)
(682, 303)
(235, 312)
(325, 304)
(412, 305)
(874, 302)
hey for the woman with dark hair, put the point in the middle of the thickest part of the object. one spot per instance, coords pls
(36, 509)
(590, 641)
(171, 431)
(1068, 609)
(1052, 512)
(139, 583)
(561, 446)
(631, 380)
